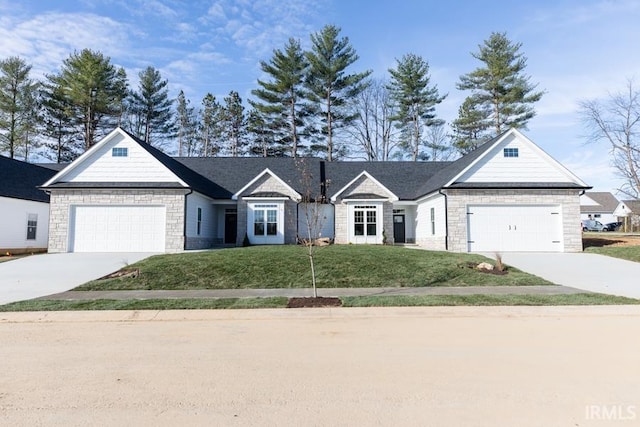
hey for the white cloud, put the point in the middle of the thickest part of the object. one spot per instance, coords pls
(47, 39)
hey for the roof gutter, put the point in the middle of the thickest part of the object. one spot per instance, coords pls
(184, 221)
(446, 220)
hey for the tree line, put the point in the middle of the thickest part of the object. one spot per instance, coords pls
(310, 103)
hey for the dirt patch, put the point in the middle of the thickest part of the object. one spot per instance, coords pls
(610, 240)
(125, 272)
(474, 266)
(300, 302)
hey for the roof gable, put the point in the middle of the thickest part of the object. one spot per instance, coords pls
(20, 180)
(363, 186)
(99, 165)
(145, 166)
(267, 182)
(531, 165)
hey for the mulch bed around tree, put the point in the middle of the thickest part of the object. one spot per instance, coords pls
(300, 302)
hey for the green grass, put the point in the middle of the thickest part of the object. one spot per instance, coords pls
(287, 266)
(631, 253)
(281, 302)
(486, 300)
(148, 304)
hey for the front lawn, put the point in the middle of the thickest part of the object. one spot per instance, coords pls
(287, 266)
(281, 302)
(631, 253)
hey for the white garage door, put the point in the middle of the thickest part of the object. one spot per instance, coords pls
(512, 228)
(117, 229)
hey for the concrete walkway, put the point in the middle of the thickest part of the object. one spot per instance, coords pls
(305, 292)
(591, 272)
(44, 274)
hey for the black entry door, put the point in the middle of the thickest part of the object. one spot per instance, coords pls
(398, 229)
(230, 227)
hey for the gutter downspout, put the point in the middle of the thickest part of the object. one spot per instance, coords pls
(184, 222)
(446, 220)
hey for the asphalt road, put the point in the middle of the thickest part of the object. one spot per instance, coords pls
(471, 366)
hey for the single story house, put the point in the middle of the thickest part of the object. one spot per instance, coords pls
(125, 195)
(599, 206)
(629, 213)
(24, 209)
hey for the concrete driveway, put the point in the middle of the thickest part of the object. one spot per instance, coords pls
(591, 272)
(40, 275)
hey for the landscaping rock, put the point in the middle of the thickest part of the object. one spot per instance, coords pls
(485, 266)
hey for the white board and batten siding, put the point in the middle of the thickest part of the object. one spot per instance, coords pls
(117, 228)
(514, 228)
(14, 215)
(321, 217)
(208, 224)
(137, 166)
(424, 228)
(531, 165)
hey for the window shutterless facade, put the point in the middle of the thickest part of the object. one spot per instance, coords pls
(32, 226)
(365, 223)
(265, 222)
(119, 152)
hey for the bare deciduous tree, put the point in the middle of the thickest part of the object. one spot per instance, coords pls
(616, 120)
(373, 127)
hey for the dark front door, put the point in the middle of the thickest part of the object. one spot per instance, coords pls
(230, 227)
(398, 229)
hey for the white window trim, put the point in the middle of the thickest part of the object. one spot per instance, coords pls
(256, 204)
(35, 235)
(377, 239)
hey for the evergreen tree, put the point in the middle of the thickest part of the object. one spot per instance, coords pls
(209, 126)
(187, 127)
(61, 142)
(17, 89)
(329, 87)
(282, 98)
(94, 91)
(500, 85)
(263, 136)
(233, 124)
(31, 121)
(415, 100)
(470, 128)
(151, 106)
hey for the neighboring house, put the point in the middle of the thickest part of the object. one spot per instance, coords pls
(24, 209)
(599, 206)
(124, 195)
(629, 213)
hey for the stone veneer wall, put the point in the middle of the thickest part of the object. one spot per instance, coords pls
(433, 243)
(62, 200)
(569, 201)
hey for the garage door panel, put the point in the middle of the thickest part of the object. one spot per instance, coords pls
(511, 228)
(117, 228)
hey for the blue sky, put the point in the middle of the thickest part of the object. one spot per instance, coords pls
(576, 49)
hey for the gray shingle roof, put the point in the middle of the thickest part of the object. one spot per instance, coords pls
(20, 180)
(606, 202)
(634, 205)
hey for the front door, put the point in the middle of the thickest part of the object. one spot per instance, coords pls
(230, 227)
(398, 229)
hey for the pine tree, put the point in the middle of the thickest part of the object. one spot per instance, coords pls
(415, 100)
(209, 126)
(233, 124)
(152, 107)
(470, 128)
(94, 91)
(282, 97)
(329, 87)
(16, 91)
(500, 85)
(61, 141)
(187, 127)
